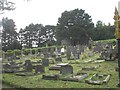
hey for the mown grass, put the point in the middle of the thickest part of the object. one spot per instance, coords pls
(36, 81)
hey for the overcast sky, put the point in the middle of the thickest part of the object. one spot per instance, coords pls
(47, 12)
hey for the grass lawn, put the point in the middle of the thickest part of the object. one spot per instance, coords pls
(36, 81)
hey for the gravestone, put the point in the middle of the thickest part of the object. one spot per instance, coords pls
(46, 55)
(68, 53)
(28, 65)
(75, 52)
(68, 69)
(55, 67)
(58, 59)
(90, 54)
(45, 62)
(3, 55)
(58, 51)
(81, 48)
(62, 51)
(50, 77)
(102, 55)
(12, 63)
(7, 66)
(97, 49)
(39, 69)
(51, 52)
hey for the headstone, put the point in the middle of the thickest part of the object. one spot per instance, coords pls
(97, 49)
(46, 55)
(58, 51)
(68, 53)
(28, 65)
(58, 59)
(50, 77)
(68, 69)
(3, 55)
(90, 54)
(81, 48)
(75, 53)
(45, 62)
(7, 66)
(62, 51)
(55, 67)
(39, 69)
(51, 52)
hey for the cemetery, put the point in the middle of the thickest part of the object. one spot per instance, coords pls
(53, 70)
(74, 53)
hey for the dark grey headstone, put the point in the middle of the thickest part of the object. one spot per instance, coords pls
(58, 59)
(28, 65)
(68, 53)
(68, 69)
(45, 62)
(39, 69)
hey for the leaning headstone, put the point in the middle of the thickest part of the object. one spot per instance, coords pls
(45, 62)
(39, 69)
(68, 69)
(28, 65)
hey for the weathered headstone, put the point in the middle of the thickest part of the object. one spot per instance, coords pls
(28, 65)
(68, 69)
(62, 51)
(81, 48)
(45, 62)
(50, 77)
(55, 67)
(97, 49)
(68, 53)
(39, 69)
(58, 59)
(75, 52)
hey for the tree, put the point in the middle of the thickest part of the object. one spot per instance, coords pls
(33, 34)
(9, 35)
(50, 34)
(102, 31)
(6, 5)
(74, 26)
